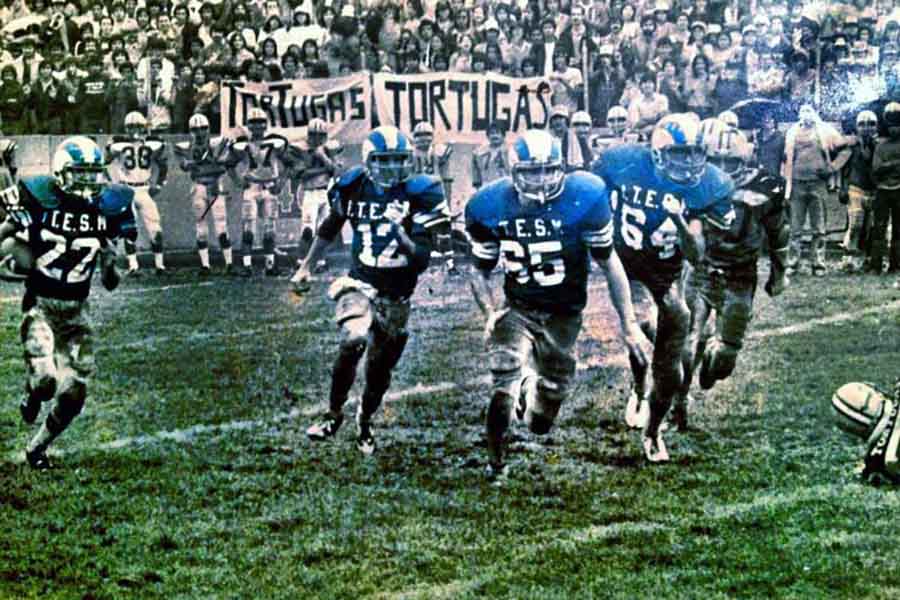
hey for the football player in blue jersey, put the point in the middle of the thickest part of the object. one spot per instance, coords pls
(393, 215)
(724, 283)
(65, 222)
(662, 198)
(546, 225)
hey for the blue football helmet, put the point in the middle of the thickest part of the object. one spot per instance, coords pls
(79, 167)
(388, 156)
(535, 161)
(677, 147)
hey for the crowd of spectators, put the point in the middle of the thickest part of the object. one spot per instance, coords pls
(81, 65)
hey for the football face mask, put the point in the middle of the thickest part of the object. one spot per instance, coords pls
(85, 181)
(539, 182)
(389, 169)
(683, 163)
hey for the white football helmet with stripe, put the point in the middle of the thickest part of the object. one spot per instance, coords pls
(726, 147)
(79, 167)
(388, 156)
(677, 148)
(535, 161)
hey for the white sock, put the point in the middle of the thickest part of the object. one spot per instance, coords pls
(226, 253)
(248, 260)
(204, 257)
(158, 260)
(132, 262)
(270, 261)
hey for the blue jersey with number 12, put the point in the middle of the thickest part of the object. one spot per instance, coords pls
(637, 190)
(544, 247)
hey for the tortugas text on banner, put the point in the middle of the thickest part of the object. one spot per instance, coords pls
(460, 106)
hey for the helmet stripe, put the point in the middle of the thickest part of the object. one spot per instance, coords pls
(379, 144)
(677, 133)
(75, 152)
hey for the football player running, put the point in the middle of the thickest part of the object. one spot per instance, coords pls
(206, 160)
(66, 222)
(260, 165)
(315, 165)
(725, 280)
(15, 259)
(393, 215)
(865, 411)
(662, 199)
(134, 158)
(434, 159)
(546, 226)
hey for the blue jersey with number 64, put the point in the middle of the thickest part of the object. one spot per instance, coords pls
(377, 256)
(544, 247)
(637, 190)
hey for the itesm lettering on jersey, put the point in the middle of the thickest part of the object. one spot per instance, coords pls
(66, 222)
(530, 228)
(639, 196)
(372, 211)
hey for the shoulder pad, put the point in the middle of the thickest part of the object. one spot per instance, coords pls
(43, 189)
(582, 182)
(278, 139)
(115, 200)
(350, 177)
(7, 146)
(300, 146)
(420, 185)
(483, 204)
(182, 148)
(155, 144)
(118, 139)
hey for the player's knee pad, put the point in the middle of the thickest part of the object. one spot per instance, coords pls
(202, 236)
(224, 240)
(541, 415)
(506, 371)
(269, 227)
(306, 236)
(247, 239)
(156, 242)
(349, 353)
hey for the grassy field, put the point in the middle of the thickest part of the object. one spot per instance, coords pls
(189, 476)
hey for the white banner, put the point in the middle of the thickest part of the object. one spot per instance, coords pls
(460, 106)
(343, 102)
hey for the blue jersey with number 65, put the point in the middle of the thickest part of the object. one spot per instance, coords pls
(378, 258)
(637, 190)
(544, 247)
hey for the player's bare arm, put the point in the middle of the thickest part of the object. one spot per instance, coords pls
(620, 294)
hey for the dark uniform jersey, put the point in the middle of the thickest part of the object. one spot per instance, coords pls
(544, 247)
(376, 256)
(758, 206)
(65, 233)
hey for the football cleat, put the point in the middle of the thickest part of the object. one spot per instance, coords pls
(161, 272)
(365, 441)
(204, 272)
(9, 270)
(679, 415)
(273, 272)
(38, 460)
(29, 408)
(637, 411)
(246, 272)
(655, 447)
(231, 270)
(133, 273)
(859, 407)
(326, 429)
